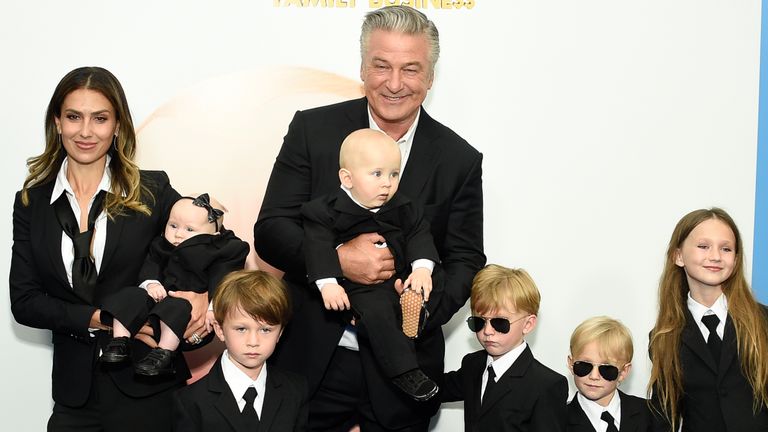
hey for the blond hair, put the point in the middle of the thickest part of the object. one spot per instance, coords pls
(612, 337)
(748, 318)
(495, 287)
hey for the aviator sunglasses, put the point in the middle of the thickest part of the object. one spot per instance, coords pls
(501, 325)
(607, 371)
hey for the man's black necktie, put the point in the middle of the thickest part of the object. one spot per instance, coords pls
(249, 412)
(83, 268)
(490, 383)
(608, 418)
(713, 341)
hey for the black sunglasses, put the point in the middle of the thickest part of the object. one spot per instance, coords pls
(607, 371)
(501, 325)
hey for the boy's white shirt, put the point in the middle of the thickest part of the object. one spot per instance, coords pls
(501, 365)
(698, 310)
(239, 382)
(594, 410)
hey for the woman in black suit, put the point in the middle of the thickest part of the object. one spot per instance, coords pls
(709, 346)
(73, 245)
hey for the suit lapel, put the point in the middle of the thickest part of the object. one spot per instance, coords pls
(224, 401)
(476, 368)
(272, 401)
(692, 338)
(629, 413)
(423, 155)
(507, 381)
(577, 418)
(53, 240)
(114, 234)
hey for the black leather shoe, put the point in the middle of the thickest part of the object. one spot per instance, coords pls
(416, 385)
(117, 350)
(159, 361)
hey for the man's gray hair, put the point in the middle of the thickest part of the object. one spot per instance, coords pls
(402, 19)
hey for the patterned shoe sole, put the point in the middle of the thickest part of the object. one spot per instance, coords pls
(411, 303)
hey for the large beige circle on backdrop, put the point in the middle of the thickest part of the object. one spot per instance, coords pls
(222, 135)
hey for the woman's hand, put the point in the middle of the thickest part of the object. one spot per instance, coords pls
(197, 325)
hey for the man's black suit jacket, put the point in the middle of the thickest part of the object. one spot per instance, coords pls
(635, 415)
(443, 175)
(713, 396)
(208, 405)
(527, 397)
(41, 296)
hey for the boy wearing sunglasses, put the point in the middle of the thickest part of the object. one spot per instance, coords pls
(601, 356)
(503, 387)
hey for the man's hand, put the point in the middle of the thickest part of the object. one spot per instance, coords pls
(420, 280)
(199, 310)
(362, 262)
(334, 297)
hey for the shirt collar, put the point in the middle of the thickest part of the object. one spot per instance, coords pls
(594, 410)
(239, 381)
(62, 184)
(698, 310)
(349, 194)
(407, 138)
(503, 363)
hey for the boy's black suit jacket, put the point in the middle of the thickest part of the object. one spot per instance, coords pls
(635, 416)
(528, 397)
(443, 175)
(713, 396)
(208, 405)
(41, 296)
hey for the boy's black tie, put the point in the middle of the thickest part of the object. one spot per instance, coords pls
(608, 418)
(713, 341)
(83, 268)
(490, 383)
(249, 412)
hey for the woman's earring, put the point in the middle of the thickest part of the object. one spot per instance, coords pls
(114, 141)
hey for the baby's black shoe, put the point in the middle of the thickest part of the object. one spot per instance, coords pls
(416, 385)
(117, 350)
(159, 361)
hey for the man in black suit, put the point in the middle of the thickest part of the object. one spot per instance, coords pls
(441, 172)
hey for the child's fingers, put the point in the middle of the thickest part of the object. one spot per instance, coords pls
(345, 299)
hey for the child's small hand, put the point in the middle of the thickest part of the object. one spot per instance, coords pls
(156, 291)
(334, 297)
(209, 320)
(421, 281)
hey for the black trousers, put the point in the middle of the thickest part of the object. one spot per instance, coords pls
(110, 410)
(377, 309)
(342, 399)
(133, 307)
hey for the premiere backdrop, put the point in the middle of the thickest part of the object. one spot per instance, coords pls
(602, 123)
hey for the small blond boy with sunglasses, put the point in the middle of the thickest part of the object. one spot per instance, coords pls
(601, 358)
(504, 388)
